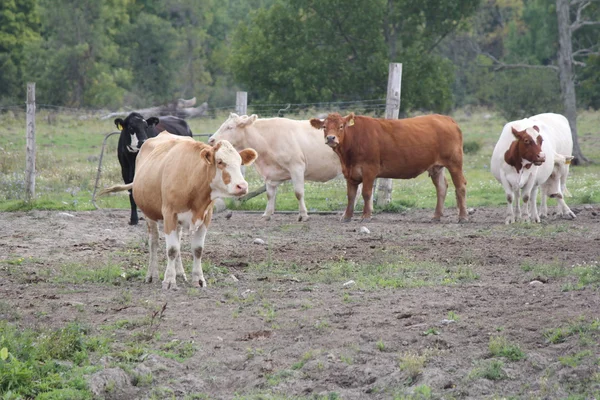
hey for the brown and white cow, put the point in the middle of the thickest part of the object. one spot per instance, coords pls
(531, 153)
(177, 180)
(402, 149)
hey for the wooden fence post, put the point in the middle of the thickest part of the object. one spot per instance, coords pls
(30, 144)
(241, 103)
(392, 108)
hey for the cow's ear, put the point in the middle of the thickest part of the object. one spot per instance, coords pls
(119, 123)
(316, 123)
(516, 132)
(233, 115)
(350, 119)
(246, 121)
(152, 121)
(248, 156)
(536, 128)
(208, 155)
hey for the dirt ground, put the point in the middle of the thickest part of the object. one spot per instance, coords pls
(268, 331)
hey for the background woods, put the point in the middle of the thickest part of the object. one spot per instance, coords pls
(115, 53)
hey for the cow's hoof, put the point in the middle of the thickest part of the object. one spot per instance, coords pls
(133, 222)
(366, 219)
(436, 219)
(346, 219)
(199, 284)
(463, 220)
(169, 286)
(182, 275)
(266, 217)
(302, 218)
(150, 279)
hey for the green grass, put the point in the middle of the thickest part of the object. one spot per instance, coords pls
(580, 327)
(47, 364)
(402, 273)
(499, 346)
(68, 151)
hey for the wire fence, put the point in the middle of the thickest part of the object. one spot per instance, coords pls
(374, 107)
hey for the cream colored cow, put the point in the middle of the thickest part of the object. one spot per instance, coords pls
(177, 180)
(287, 149)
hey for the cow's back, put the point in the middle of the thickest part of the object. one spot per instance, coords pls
(404, 148)
(292, 143)
(555, 128)
(155, 157)
(172, 124)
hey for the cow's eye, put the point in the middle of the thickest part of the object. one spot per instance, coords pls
(220, 162)
(526, 141)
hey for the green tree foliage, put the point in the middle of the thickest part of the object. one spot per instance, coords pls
(19, 21)
(310, 51)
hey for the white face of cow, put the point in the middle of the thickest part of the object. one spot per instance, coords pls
(232, 130)
(228, 180)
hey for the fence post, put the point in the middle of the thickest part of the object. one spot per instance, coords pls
(241, 103)
(30, 144)
(392, 108)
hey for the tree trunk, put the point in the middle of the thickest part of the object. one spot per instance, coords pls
(565, 66)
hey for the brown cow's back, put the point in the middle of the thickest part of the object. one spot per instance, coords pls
(404, 148)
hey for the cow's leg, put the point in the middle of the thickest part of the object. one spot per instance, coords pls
(367, 193)
(173, 250)
(180, 272)
(564, 209)
(436, 173)
(533, 204)
(271, 196)
(543, 202)
(152, 273)
(511, 196)
(298, 182)
(351, 189)
(197, 249)
(460, 186)
(133, 220)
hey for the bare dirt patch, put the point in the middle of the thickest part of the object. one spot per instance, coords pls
(280, 326)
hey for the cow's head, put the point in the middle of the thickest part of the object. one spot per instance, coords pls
(334, 127)
(228, 180)
(529, 144)
(232, 130)
(134, 129)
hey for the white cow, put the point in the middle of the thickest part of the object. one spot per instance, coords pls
(539, 157)
(287, 149)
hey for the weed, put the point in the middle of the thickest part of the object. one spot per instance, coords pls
(306, 357)
(579, 326)
(431, 331)
(471, 147)
(453, 316)
(380, 345)
(500, 347)
(412, 364)
(489, 369)
(421, 392)
(575, 359)
(322, 324)
(346, 359)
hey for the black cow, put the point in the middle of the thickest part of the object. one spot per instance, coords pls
(135, 130)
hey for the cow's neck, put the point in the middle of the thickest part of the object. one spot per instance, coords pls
(514, 158)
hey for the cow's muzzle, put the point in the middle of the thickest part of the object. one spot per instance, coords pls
(133, 149)
(331, 141)
(240, 189)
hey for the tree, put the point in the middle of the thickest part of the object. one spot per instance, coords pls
(532, 49)
(19, 22)
(311, 51)
(567, 58)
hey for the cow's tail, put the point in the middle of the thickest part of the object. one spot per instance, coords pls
(116, 188)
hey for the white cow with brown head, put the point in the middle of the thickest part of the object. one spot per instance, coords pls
(177, 180)
(288, 149)
(531, 153)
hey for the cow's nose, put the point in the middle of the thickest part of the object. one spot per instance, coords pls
(330, 138)
(211, 141)
(241, 188)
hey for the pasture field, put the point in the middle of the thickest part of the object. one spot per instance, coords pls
(411, 310)
(69, 146)
(317, 310)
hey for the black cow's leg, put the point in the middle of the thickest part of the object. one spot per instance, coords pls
(134, 215)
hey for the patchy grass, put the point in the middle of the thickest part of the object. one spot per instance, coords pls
(499, 346)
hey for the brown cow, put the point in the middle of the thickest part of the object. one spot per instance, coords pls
(402, 149)
(177, 180)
